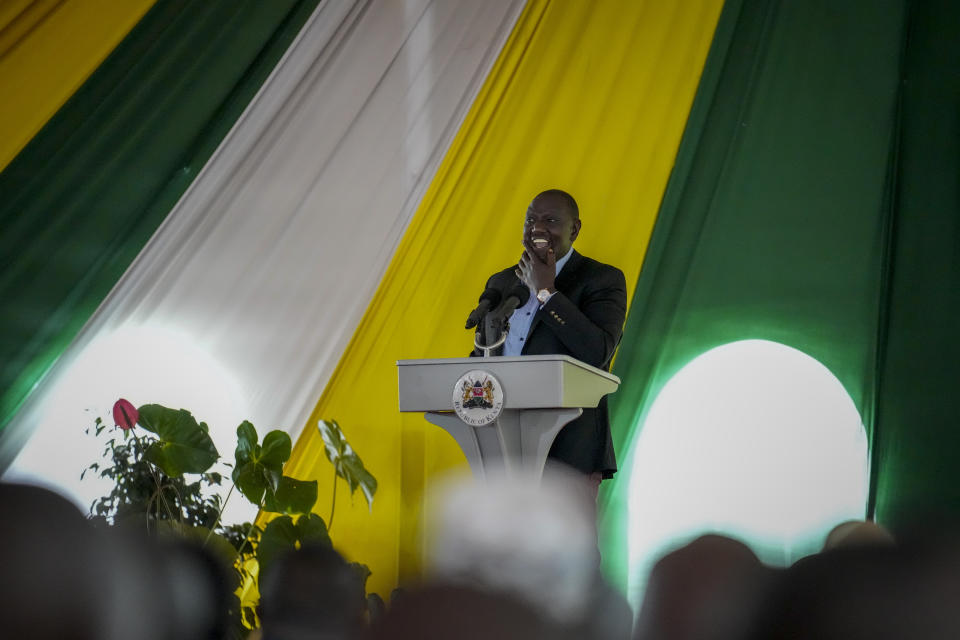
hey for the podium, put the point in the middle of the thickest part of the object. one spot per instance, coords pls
(537, 396)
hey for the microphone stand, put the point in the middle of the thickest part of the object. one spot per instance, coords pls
(491, 328)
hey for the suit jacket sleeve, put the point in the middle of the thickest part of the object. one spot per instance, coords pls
(590, 329)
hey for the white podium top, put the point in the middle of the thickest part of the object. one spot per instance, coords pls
(529, 382)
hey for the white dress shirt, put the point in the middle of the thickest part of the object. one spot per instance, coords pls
(522, 317)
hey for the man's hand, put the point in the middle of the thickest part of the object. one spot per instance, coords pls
(535, 272)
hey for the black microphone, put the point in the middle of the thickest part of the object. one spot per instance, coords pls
(517, 296)
(489, 299)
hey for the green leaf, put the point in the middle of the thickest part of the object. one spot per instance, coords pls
(352, 470)
(182, 445)
(283, 534)
(312, 529)
(345, 460)
(272, 477)
(246, 441)
(245, 453)
(292, 496)
(251, 481)
(258, 468)
(278, 536)
(276, 450)
(333, 440)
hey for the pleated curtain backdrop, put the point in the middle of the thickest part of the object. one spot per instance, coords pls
(47, 50)
(589, 97)
(916, 439)
(809, 206)
(81, 200)
(812, 203)
(242, 302)
(772, 226)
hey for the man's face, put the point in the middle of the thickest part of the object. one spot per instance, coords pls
(549, 223)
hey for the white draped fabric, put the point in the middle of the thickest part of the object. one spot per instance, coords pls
(242, 303)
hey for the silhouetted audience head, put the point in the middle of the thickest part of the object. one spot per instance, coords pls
(200, 587)
(510, 557)
(165, 587)
(311, 593)
(855, 533)
(708, 589)
(443, 612)
(63, 578)
(867, 592)
(535, 540)
(529, 538)
(55, 582)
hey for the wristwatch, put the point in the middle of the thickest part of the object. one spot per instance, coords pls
(543, 295)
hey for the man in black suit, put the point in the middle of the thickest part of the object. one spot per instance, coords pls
(577, 308)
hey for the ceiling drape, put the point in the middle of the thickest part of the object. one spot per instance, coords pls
(81, 200)
(47, 50)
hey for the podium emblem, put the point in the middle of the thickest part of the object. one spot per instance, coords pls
(478, 398)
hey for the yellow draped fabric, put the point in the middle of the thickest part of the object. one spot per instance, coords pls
(590, 97)
(47, 49)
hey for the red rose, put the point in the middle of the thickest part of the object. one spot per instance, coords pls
(125, 415)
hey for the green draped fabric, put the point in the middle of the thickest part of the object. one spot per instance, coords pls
(917, 430)
(81, 200)
(776, 222)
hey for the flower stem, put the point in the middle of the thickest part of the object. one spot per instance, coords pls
(223, 505)
(333, 502)
(156, 478)
(246, 537)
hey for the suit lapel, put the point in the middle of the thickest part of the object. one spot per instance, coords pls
(569, 275)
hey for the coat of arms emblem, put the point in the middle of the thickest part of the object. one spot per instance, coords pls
(478, 398)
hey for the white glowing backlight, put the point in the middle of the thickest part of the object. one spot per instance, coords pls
(754, 440)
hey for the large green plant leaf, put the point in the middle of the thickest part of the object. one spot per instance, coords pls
(333, 441)
(182, 446)
(292, 496)
(311, 528)
(346, 461)
(283, 534)
(276, 450)
(260, 467)
(353, 471)
(246, 439)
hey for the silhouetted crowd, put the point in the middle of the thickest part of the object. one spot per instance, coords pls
(506, 558)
